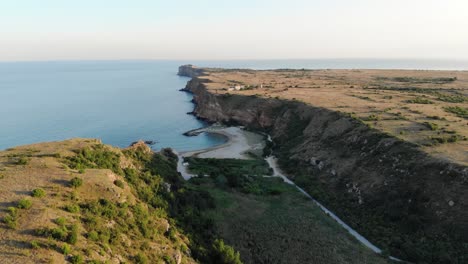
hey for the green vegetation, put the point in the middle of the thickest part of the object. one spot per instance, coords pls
(141, 259)
(22, 160)
(387, 218)
(419, 100)
(451, 98)
(270, 223)
(24, 204)
(458, 111)
(119, 183)
(439, 80)
(185, 205)
(66, 249)
(76, 259)
(11, 218)
(76, 182)
(447, 139)
(62, 233)
(254, 167)
(72, 208)
(35, 244)
(38, 193)
(225, 253)
(431, 126)
(98, 156)
(372, 117)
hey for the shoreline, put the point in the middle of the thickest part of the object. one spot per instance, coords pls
(237, 146)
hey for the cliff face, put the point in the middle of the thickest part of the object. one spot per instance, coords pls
(189, 71)
(389, 190)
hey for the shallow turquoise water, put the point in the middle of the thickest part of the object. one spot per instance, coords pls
(123, 101)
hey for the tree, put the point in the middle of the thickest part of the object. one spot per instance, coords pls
(225, 254)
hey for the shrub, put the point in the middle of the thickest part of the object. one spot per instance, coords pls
(119, 183)
(72, 208)
(24, 204)
(66, 249)
(60, 221)
(93, 235)
(419, 100)
(72, 237)
(225, 253)
(35, 244)
(141, 259)
(431, 126)
(22, 161)
(76, 259)
(459, 111)
(10, 221)
(76, 182)
(38, 193)
(373, 117)
(12, 211)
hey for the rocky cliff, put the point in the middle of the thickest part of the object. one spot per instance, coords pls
(189, 71)
(392, 192)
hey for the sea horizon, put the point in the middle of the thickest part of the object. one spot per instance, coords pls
(442, 64)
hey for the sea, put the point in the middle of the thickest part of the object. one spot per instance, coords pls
(121, 102)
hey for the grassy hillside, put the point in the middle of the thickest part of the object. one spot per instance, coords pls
(79, 201)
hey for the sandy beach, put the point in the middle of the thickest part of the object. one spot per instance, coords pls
(240, 144)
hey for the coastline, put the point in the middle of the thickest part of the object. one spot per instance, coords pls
(233, 134)
(239, 143)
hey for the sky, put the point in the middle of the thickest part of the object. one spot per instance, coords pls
(240, 29)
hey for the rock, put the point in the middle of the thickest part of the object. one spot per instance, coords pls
(451, 203)
(178, 257)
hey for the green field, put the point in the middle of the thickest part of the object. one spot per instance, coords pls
(275, 223)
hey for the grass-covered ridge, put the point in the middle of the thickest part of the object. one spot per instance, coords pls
(84, 202)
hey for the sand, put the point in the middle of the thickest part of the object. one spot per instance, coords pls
(238, 146)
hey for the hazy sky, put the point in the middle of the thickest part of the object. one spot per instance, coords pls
(240, 29)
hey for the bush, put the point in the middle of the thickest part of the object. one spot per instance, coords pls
(431, 126)
(225, 253)
(93, 235)
(24, 204)
(119, 183)
(419, 100)
(76, 259)
(76, 182)
(12, 211)
(72, 237)
(72, 208)
(22, 161)
(459, 111)
(10, 221)
(35, 244)
(38, 193)
(66, 249)
(141, 259)
(60, 221)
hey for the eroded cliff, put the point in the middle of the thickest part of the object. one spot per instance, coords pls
(392, 192)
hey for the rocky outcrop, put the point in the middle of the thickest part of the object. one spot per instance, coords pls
(189, 71)
(389, 190)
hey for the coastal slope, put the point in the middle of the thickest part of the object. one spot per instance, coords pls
(81, 201)
(394, 190)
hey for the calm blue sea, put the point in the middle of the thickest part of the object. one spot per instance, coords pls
(123, 101)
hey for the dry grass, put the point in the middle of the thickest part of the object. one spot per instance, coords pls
(397, 102)
(44, 169)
